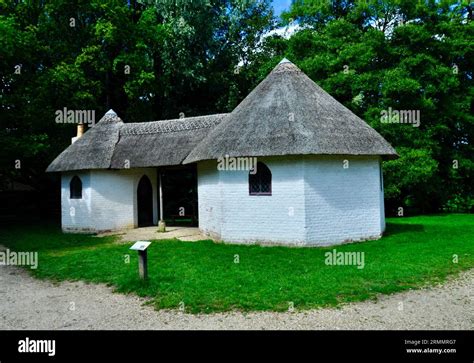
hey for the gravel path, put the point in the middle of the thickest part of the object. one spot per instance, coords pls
(29, 303)
(187, 234)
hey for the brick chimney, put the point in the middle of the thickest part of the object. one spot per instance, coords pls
(80, 132)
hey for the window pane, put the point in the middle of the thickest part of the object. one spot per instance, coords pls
(261, 182)
(75, 188)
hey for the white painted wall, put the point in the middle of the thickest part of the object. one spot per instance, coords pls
(382, 201)
(342, 204)
(228, 212)
(109, 200)
(314, 201)
(276, 218)
(76, 213)
(209, 199)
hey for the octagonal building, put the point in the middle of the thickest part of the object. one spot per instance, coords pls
(289, 165)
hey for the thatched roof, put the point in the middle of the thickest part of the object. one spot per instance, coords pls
(94, 149)
(161, 143)
(117, 145)
(286, 114)
(289, 114)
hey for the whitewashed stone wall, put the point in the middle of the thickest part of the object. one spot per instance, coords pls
(109, 200)
(342, 199)
(314, 201)
(228, 212)
(209, 199)
(76, 213)
(382, 201)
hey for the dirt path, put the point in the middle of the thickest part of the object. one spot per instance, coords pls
(187, 234)
(28, 303)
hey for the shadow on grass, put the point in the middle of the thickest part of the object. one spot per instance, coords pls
(46, 237)
(400, 228)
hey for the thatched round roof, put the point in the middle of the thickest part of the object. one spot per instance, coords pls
(289, 114)
(286, 114)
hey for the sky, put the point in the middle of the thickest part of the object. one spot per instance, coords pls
(281, 5)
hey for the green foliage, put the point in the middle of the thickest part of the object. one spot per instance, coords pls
(374, 55)
(415, 252)
(459, 202)
(155, 59)
(410, 175)
(147, 60)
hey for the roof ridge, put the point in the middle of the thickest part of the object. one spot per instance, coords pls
(179, 119)
(171, 125)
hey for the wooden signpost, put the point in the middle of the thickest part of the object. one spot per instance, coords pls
(141, 247)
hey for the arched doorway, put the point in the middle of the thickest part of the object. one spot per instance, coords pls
(145, 202)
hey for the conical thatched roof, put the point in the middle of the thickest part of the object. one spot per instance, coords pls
(286, 114)
(94, 149)
(289, 114)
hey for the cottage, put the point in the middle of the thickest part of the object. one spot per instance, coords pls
(317, 178)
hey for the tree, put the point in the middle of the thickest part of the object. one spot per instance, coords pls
(375, 55)
(148, 60)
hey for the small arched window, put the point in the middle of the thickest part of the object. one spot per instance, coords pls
(260, 182)
(75, 188)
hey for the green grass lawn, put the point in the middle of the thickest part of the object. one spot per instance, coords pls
(415, 251)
